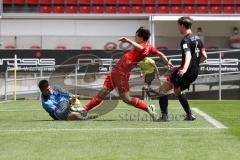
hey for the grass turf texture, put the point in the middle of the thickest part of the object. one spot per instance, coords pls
(27, 132)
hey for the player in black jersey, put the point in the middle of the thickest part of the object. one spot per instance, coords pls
(193, 53)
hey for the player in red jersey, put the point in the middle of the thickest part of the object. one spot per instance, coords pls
(119, 76)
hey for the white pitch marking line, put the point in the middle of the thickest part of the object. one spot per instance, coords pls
(6, 101)
(210, 119)
(102, 129)
(19, 110)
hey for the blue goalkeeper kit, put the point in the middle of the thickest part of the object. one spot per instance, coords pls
(56, 103)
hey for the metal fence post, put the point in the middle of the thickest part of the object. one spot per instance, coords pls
(76, 78)
(41, 76)
(220, 76)
(5, 82)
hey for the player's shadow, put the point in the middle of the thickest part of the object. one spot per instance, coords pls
(39, 120)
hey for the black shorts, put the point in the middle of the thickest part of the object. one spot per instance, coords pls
(184, 82)
(149, 78)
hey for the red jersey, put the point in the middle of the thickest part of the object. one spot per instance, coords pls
(130, 59)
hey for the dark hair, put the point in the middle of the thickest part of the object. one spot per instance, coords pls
(42, 84)
(235, 28)
(186, 21)
(143, 33)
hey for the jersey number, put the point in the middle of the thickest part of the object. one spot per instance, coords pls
(197, 51)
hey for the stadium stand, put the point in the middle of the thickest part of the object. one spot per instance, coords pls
(32, 2)
(125, 6)
(71, 9)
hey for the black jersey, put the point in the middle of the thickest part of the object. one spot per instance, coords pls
(193, 44)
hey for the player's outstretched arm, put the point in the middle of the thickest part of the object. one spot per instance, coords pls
(164, 59)
(137, 46)
(203, 57)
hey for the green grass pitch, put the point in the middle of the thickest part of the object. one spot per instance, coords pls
(28, 133)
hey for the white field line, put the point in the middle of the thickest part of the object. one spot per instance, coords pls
(100, 129)
(6, 101)
(19, 110)
(210, 119)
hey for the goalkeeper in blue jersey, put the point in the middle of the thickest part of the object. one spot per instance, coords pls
(60, 104)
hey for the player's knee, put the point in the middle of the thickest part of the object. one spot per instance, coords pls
(162, 90)
(177, 91)
(126, 99)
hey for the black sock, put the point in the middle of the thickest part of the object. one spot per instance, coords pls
(183, 100)
(163, 103)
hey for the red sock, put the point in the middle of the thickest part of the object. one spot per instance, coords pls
(93, 103)
(138, 103)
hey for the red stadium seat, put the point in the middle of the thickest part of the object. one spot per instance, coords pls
(35, 47)
(84, 9)
(110, 9)
(71, 2)
(45, 9)
(189, 9)
(97, 9)
(58, 9)
(86, 47)
(202, 2)
(111, 6)
(137, 9)
(45, 2)
(189, 1)
(10, 46)
(137, 1)
(237, 1)
(58, 2)
(160, 2)
(215, 2)
(216, 9)
(228, 9)
(152, 2)
(125, 2)
(97, 2)
(18, 2)
(238, 9)
(176, 1)
(61, 47)
(7, 2)
(124, 9)
(32, 2)
(176, 9)
(71, 9)
(228, 2)
(85, 2)
(163, 9)
(150, 9)
(112, 2)
(202, 9)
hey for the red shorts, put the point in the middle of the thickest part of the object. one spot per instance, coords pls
(117, 79)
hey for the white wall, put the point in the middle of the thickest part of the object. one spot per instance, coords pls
(76, 33)
(216, 33)
(71, 33)
(214, 28)
(71, 27)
